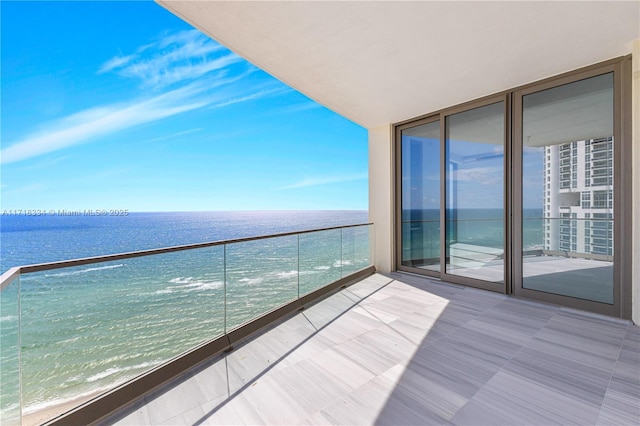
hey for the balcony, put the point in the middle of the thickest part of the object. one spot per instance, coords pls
(396, 349)
(399, 349)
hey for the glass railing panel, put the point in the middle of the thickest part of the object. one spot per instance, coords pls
(10, 352)
(87, 328)
(78, 331)
(575, 260)
(355, 249)
(261, 275)
(533, 232)
(320, 259)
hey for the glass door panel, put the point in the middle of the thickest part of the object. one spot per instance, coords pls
(420, 213)
(475, 189)
(567, 190)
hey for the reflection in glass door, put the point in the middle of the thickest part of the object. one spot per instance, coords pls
(420, 214)
(567, 190)
(475, 188)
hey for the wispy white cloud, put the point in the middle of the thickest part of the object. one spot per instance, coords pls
(85, 125)
(480, 175)
(252, 96)
(188, 69)
(179, 57)
(115, 62)
(325, 180)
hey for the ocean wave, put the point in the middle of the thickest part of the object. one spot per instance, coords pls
(287, 274)
(251, 281)
(9, 318)
(115, 370)
(204, 285)
(181, 280)
(322, 268)
(189, 284)
(84, 271)
(339, 263)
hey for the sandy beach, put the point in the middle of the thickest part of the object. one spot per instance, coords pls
(41, 416)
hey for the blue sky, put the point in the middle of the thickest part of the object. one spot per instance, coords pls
(122, 105)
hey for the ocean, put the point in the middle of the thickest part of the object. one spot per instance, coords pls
(86, 328)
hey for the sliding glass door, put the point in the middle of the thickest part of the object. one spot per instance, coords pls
(452, 195)
(566, 152)
(420, 213)
(475, 190)
(521, 192)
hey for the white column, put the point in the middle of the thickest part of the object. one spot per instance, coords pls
(381, 196)
(635, 206)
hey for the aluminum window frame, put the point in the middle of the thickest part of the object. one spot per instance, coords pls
(622, 196)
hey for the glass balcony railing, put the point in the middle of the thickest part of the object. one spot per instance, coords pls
(10, 394)
(72, 330)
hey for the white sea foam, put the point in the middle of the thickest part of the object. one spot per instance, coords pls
(115, 370)
(287, 274)
(189, 284)
(339, 263)
(84, 271)
(10, 407)
(9, 318)
(70, 340)
(106, 373)
(204, 285)
(181, 280)
(251, 281)
(322, 268)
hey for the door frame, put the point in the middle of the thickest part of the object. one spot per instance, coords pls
(621, 203)
(621, 68)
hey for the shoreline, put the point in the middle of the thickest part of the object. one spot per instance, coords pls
(43, 415)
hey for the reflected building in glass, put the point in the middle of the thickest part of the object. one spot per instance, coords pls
(578, 199)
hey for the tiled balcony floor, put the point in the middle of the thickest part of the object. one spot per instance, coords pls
(407, 350)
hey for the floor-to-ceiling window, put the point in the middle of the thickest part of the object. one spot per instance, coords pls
(568, 162)
(521, 192)
(420, 213)
(475, 190)
(567, 189)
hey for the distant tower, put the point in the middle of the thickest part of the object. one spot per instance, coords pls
(578, 198)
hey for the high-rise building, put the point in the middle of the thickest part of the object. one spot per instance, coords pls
(578, 198)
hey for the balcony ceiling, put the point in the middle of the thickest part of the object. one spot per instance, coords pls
(384, 62)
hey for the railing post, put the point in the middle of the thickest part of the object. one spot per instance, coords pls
(341, 253)
(224, 266)
(298, 266)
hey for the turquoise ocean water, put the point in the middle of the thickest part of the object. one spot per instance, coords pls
(86, 328)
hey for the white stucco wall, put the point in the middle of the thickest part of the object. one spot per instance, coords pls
(635, 88)
(381, 196)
